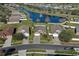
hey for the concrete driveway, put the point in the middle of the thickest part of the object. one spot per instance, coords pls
(56, 41)
(36, 39)
(8, 41)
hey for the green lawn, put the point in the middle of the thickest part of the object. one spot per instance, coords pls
(31, 38)
(31, 50)
(72, 52)
(31, 30)
(2, 41)
(38, 23)
(45, 38)
(71, 24)
(16, 42)
(35, 54)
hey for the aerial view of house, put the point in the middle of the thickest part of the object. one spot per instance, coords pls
(39, 29)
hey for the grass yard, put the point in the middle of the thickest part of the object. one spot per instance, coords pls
(72, 52)
(71, 24)
(2, 41)
(35, 54)
(32, 50)
(16, 42)
(31, 30)
(45, 38)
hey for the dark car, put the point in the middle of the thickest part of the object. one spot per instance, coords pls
(9, 51)
(68, 48)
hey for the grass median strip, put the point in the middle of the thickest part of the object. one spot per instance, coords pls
(31, 50)
(72, 52)
(35, 54)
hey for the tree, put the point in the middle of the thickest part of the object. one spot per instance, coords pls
(18, 36)
(66, 35)
(2, 40)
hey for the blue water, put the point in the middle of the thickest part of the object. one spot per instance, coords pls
(41, 17)
(54, 19)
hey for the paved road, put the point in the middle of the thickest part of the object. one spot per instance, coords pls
(8, 41)
(40, 46)
(23, 52)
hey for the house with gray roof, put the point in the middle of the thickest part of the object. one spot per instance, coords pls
(16, 17)
(56, 28)
(40, 28)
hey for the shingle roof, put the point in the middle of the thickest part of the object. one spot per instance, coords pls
(55, 28)
(42, 28)
(14, 18)
(25, 28)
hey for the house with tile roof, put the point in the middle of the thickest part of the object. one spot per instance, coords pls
(5, 32)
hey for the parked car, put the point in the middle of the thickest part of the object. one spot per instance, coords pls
(68, 48)
(9, 51)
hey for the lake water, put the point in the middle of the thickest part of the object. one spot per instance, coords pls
(37, 17)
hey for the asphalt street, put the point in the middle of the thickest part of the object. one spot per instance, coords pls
(40, 46)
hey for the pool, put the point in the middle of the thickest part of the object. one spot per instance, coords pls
(37, 17)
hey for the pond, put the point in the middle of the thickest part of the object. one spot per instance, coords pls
(37, 17)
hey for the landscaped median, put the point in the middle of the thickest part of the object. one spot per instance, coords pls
(71, 52)
(36, 54)
(32, 50)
